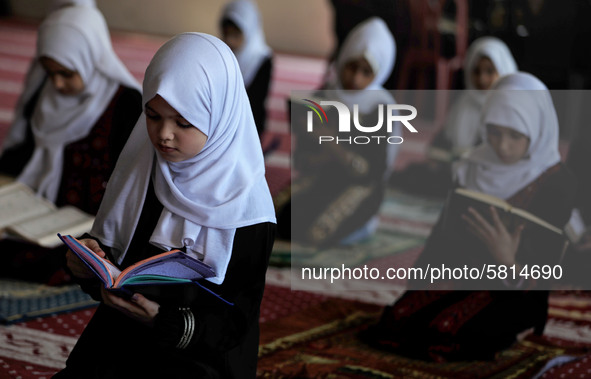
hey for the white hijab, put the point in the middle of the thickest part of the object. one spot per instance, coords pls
(521, 102)
(254, 51)
(55, 5)
(33, 80)
(461, 126)
(372, 40)
(206, 197)
(78, 38)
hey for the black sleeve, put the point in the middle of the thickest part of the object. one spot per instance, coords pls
(257, 93)
(220, 326)
(553, 203)
(125, 115)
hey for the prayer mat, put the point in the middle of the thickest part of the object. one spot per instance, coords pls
(20, 300)
(323, 342)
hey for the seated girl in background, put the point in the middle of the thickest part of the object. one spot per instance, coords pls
(242, 30)
(54, 5)
(487, 59)
(77, 118)
(518, 161)
(191, 177)
(340, 187)
(78, 107)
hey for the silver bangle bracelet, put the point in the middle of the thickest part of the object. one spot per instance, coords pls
(189, 328)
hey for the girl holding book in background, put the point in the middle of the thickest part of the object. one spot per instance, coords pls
(519, 162)
(77, 109)
(340, 187)
(76, 117)
(242, 30)
(190, 177)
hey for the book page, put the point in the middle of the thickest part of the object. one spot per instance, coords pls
(489, 199)
(5, 179)
(19, 203)
(44, 228)
(106, 271)
(535, 219)
(174, 264)
(502, 204)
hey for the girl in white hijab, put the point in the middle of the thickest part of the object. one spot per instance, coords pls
(55, 5)
(522, 103)
(35, 73)
(487, 59)
(242, 30)
(78, 108)
(369, 42)
(190, 177)
(82, 83)
(518, 161)
(346, 176)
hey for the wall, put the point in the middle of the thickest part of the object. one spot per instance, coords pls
(300, 27)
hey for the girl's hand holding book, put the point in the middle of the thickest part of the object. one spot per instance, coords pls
(501, 243)
(138, 307)
(79, 269)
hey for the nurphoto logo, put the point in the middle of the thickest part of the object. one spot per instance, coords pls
(344, 121)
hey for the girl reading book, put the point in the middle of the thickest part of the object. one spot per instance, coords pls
(340, 187)
(77, 109)
(520, 163)
(242, 30)
(190, 177)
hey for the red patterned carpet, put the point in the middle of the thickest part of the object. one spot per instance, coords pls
(37, 349)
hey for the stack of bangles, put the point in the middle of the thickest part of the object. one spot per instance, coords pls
(189, 328)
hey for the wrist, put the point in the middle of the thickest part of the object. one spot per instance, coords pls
(175, 327)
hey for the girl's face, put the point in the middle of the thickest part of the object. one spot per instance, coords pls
(484, 74)
(65, 81)
(357, 74)
(509, 145)
(232, 36)
(174, 138)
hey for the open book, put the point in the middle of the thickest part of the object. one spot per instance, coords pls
(34, 219)
(149, 276)
(460, 199)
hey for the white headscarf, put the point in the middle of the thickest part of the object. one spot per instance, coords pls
(254, 51)
(206, 197)
(55, 5)
(523, 103)
(33, 80)
(76, 37)
(495, 50)
(461, 126)
(372, 40)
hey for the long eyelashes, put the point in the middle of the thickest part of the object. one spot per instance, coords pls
(184, 126)
(156, 117)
